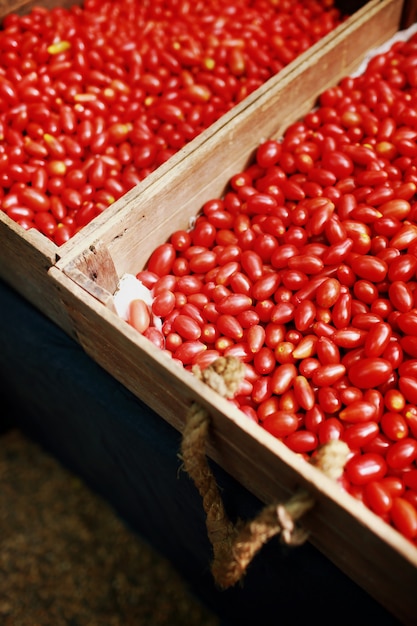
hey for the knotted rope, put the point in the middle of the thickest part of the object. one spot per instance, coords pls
(235, 545)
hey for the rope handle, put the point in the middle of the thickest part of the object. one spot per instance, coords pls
(235, 545)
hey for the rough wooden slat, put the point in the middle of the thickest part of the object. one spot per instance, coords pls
(25, 258)
(94, 270)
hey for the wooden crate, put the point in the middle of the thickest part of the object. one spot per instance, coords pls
(25, 256)
(377, 557)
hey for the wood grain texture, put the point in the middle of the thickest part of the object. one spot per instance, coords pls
(25, 257)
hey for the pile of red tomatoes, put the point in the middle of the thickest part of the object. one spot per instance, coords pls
(306, 270)
(96, 97)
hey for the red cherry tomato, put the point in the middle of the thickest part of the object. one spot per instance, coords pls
(181, 240)
(404, 517)
(394, 400)
(45, 223)
(378, 497)
(204, 234)
(34, 199)
(402, 268)
(331, 428)
(266, 286)
(364, 468)
(370, 372)
(155, 336)
(161, 260)
(187, 327)
(401, 296)
(339, 163)
(264, 361)
(189, 351)
(281, 423)
(369, 268)
(304, 393)
(377, 340)
(163, 303)
(302, 441)
(268, 153)
(203, 262)
(139, 316)
(394, 426)
(402, 453)
(358, 411)
(229, 326)
(328, 399)
(252, 264)
(408, 387)
(327, 351)
(326, 375)
(283, 378)
(62, 234)
(360, 434)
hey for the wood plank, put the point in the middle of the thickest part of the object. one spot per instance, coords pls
(25, 257)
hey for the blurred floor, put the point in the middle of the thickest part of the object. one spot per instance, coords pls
(67, 560)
